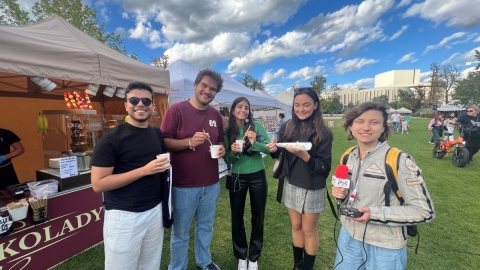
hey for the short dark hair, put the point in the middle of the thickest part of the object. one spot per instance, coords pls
(358, 110)
(217, 77)
(139, 86)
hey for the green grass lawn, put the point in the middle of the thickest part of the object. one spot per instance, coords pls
(451, 241)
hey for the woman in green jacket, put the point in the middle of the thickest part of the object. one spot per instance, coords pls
(248, 168)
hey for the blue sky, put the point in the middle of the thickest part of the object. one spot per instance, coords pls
(287, 42)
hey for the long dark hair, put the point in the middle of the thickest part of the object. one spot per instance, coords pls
(316, 117)
(233, 129)
(358, 110)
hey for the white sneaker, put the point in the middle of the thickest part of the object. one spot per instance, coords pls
(242, 264)
(252, 265)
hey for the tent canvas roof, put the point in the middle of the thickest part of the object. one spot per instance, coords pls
(285, 97)
(402, 110)
(55, 49)
(182, 79)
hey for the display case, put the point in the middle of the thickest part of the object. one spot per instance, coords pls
(71, 133)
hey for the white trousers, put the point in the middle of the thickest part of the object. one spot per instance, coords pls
(133, 240)
(450, 130)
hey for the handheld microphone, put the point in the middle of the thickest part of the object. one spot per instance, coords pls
(340, 179)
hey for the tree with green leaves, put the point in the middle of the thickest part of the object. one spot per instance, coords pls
(250, 82)
(468, 90)
(161, 62)
(12, 14)
(81, 16)
(318, 84)
(382, 99)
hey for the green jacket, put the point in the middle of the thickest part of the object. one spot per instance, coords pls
(244, 164)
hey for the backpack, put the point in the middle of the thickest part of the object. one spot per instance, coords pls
(392, 158)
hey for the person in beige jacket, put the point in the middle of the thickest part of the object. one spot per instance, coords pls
(378, 238)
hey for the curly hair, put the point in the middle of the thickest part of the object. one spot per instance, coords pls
(217, 77)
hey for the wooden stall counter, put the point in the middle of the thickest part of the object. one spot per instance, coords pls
(74, 224)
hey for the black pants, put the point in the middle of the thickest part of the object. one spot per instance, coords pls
(256, 183)
(473, 145)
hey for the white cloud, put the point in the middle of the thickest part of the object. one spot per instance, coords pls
(454, 59)
(269, 76)
(353, 64)
(477, 39)
(362, 83)
(407, 58)
(399, 32)
(306, 73)
(445, 42)
(222, 47)
(343, 31)
(404, 3)
(425, 76)
(458, 13)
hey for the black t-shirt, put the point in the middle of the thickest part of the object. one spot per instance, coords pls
(127, 148)
(7, 138)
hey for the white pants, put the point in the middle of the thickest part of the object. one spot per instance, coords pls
(133, 240)
(450, 130)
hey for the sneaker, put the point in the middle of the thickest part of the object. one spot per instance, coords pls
(242, 264)
(430, 142)
(252, 265)
(211, 266)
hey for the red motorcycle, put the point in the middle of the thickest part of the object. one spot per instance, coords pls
(460, 156)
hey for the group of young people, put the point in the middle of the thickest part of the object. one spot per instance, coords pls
(126, 170)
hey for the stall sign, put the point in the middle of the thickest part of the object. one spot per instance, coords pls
(68, 167)
(74, 224)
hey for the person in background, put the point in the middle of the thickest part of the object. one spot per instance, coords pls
(395, 120)
(189, 127)
(125, 169)
(378, 238)
(9, 140)
(248, 166)
(282, 120)
(304, 173)
(436, 125)
(450, 123)
(404, 125)
(471, 129)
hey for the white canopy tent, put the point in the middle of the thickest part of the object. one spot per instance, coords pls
(285, 97)
(57, 50)
(451, 108)
(182, 78)
(402, 110)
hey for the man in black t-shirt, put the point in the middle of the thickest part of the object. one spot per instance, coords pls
(8, 140)
(126, 170)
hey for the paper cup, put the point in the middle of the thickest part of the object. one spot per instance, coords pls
(167, 155)
(240, 142)
(214, 151)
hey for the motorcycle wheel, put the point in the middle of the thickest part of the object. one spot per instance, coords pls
(460, 157)
(439, 151)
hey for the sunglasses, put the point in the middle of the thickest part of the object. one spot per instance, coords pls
(135, 100)
(303, 90)
(470, 110)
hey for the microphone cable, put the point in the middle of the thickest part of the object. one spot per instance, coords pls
(335, 237)
(338, 249)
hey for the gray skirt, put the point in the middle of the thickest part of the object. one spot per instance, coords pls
(304, 200)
